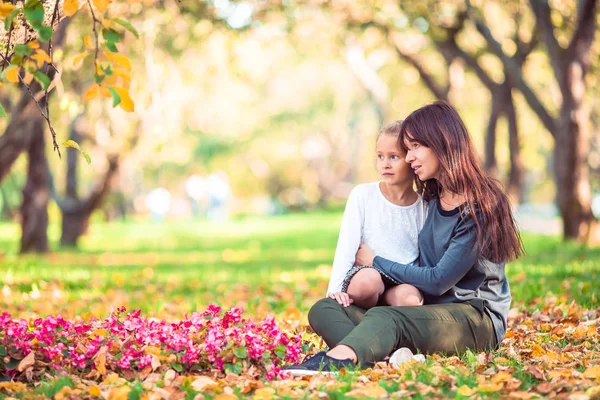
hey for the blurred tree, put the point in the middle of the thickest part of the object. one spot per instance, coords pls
(570, 61)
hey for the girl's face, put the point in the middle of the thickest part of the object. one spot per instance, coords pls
(422, 160)
(390, 160)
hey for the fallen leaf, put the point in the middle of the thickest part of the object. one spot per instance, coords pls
(205, 383)
(100, 360)
(119, 393)
(592, 372)
(466, 391)
(26, 362)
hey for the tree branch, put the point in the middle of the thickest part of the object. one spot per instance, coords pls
(584, 34)
(439, 92)
(513, 70)
(541, 10)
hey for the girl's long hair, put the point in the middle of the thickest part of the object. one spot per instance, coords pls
(439, 127)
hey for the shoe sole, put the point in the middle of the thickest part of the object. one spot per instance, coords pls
(305, 372)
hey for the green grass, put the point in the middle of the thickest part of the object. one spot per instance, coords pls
(265, 264)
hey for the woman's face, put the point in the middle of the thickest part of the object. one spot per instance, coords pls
(422, 160)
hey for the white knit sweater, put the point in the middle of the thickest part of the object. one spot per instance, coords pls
(391, 231)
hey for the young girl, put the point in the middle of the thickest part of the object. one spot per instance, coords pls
(468, 236)
(386, 216)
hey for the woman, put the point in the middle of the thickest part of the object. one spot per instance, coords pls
(468, 236)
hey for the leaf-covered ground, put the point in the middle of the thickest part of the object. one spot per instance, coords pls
(280, 266)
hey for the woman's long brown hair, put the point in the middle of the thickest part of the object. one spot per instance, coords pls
(439, 127)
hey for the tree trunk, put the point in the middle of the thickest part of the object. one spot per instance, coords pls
(34, 209)
(570, 159)
(515, 188)
(74, 224)
(490, 163)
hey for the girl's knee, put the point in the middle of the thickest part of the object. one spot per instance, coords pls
(406, 301)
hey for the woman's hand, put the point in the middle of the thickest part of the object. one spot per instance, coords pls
(342, 298)
(364, 255)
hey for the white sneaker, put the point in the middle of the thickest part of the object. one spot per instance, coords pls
(404, 355)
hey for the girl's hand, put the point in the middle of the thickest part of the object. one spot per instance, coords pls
(364, 255)
(342, 298)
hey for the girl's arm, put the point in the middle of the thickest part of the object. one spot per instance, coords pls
(437, 279)
(348, 241)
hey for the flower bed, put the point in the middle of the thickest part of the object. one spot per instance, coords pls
(129, 344)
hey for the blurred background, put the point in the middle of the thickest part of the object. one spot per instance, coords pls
(253, 121)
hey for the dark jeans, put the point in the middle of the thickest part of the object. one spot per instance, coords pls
(374, 334)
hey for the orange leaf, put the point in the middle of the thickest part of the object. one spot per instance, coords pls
(87, 40)
(12, 74)
(26, 362)
(6, 9)
(33, 44)
(592, 372)
(41, 57)
(70, 7)
(100, 360)
(126, 101)
(101, 4)
(94, 391)
(80, 57)
(118, 59)
(538, 351)
(91, 93)
(106, 23)
(490, 388)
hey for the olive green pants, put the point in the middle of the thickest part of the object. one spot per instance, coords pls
(374, 334)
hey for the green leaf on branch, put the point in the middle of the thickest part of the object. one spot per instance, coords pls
(128, 26)
(8, 21)
(2, 114)
(112, 47)
(115, 96)
(42, 79)
(44, 33)
(87, 157)
(22, 50)
(240, 352)
(34, 13)
(107, 71)
(110, 35)
(98, 78)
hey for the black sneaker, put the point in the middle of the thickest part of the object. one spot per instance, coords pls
(320, 363)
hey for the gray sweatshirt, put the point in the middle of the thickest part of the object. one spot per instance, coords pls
(451, 269)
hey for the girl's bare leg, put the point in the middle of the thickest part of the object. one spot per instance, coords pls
(365, 288)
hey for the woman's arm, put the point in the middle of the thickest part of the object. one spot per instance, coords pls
(348, 240)
(437, 279)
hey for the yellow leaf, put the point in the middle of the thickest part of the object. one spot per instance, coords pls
(87, 40)
(466, 391)
(538, 351)
(494, 387)
(106, 23)
(28, 77)
(78, 58)
(6, 9)
(264, 394)
(15, 386)
(501, 377)
(101, 4)
(41, 57)
(118, 59)
(33, 44)
(152, 350)
(70, 7)
(100, 360)
(225, 397)
(204, 383)
(94, 391)
(592, 372)
(100, 332)
(91, 93)
(12, 74)
(104, 91)
(119, 393)
(126, 101)
(71, 143)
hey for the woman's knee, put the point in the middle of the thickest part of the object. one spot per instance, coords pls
(320, 312)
